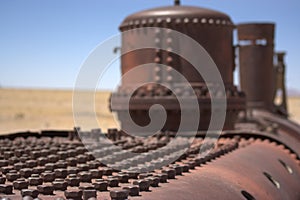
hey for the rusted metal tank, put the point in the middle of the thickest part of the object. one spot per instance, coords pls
(213, 30)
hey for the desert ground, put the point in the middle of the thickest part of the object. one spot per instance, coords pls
(28, 109)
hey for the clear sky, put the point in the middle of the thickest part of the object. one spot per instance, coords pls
(44, 43)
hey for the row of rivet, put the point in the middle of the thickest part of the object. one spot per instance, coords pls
(158, 57)
(144, 22)
(169, 58)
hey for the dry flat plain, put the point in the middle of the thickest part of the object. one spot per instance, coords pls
(24, 109)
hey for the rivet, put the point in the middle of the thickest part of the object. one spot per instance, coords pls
(144, 21)
(157, 78)
(150, 21)
(157, 59)
(158, 20)
(169, 40)
(169, 60)
(169, 69)
(195, 20)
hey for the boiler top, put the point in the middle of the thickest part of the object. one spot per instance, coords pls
(162, 16)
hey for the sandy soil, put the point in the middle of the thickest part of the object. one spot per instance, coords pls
(22, 110)
(48, 109)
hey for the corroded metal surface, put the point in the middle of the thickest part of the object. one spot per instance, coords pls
(256, 52)
(213, 30)
(236, 166)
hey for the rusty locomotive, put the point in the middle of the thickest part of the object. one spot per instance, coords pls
(255, 157)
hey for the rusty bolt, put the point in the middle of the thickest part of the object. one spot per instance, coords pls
(12, 176)
(73, 181)
(61, 173)
(30, 192)
(31, 163)
(6, 169)
(80, 150)
(83, 167)
(13, 160)
(49, 166)
(170, 172)
(2, 180)
(38, 170)
(89, 156)
(60, 185)
(45, 189)
(162, 177)
(85, 177)
(96, 173)
(101, 186)
(73, 194)
(154, 181)
(123, 178)
(107, 171)
(71, 153)
(19, 152)
(19, 165)
(35, 154)
(72, 161)
(132, 189)
(8, 154)
(81, 158)
(42, 161)
(6, 189)
(24, 158)
(119, 194)
(89, 194)
(35, 181)
(44, 152)
(20, 184)
(3, 163)
(62, 155)
(178, 169)
(48, 176)
(53, 150)
(112, 182)
(73, 170)
(53, 158)
(93, 164)
(143, 184)
(61, 164)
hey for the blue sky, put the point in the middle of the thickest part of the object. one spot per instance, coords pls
(44, 43)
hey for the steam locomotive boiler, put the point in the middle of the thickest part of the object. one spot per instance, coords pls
(254, 154)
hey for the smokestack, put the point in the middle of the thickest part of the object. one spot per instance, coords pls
(256, 54)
